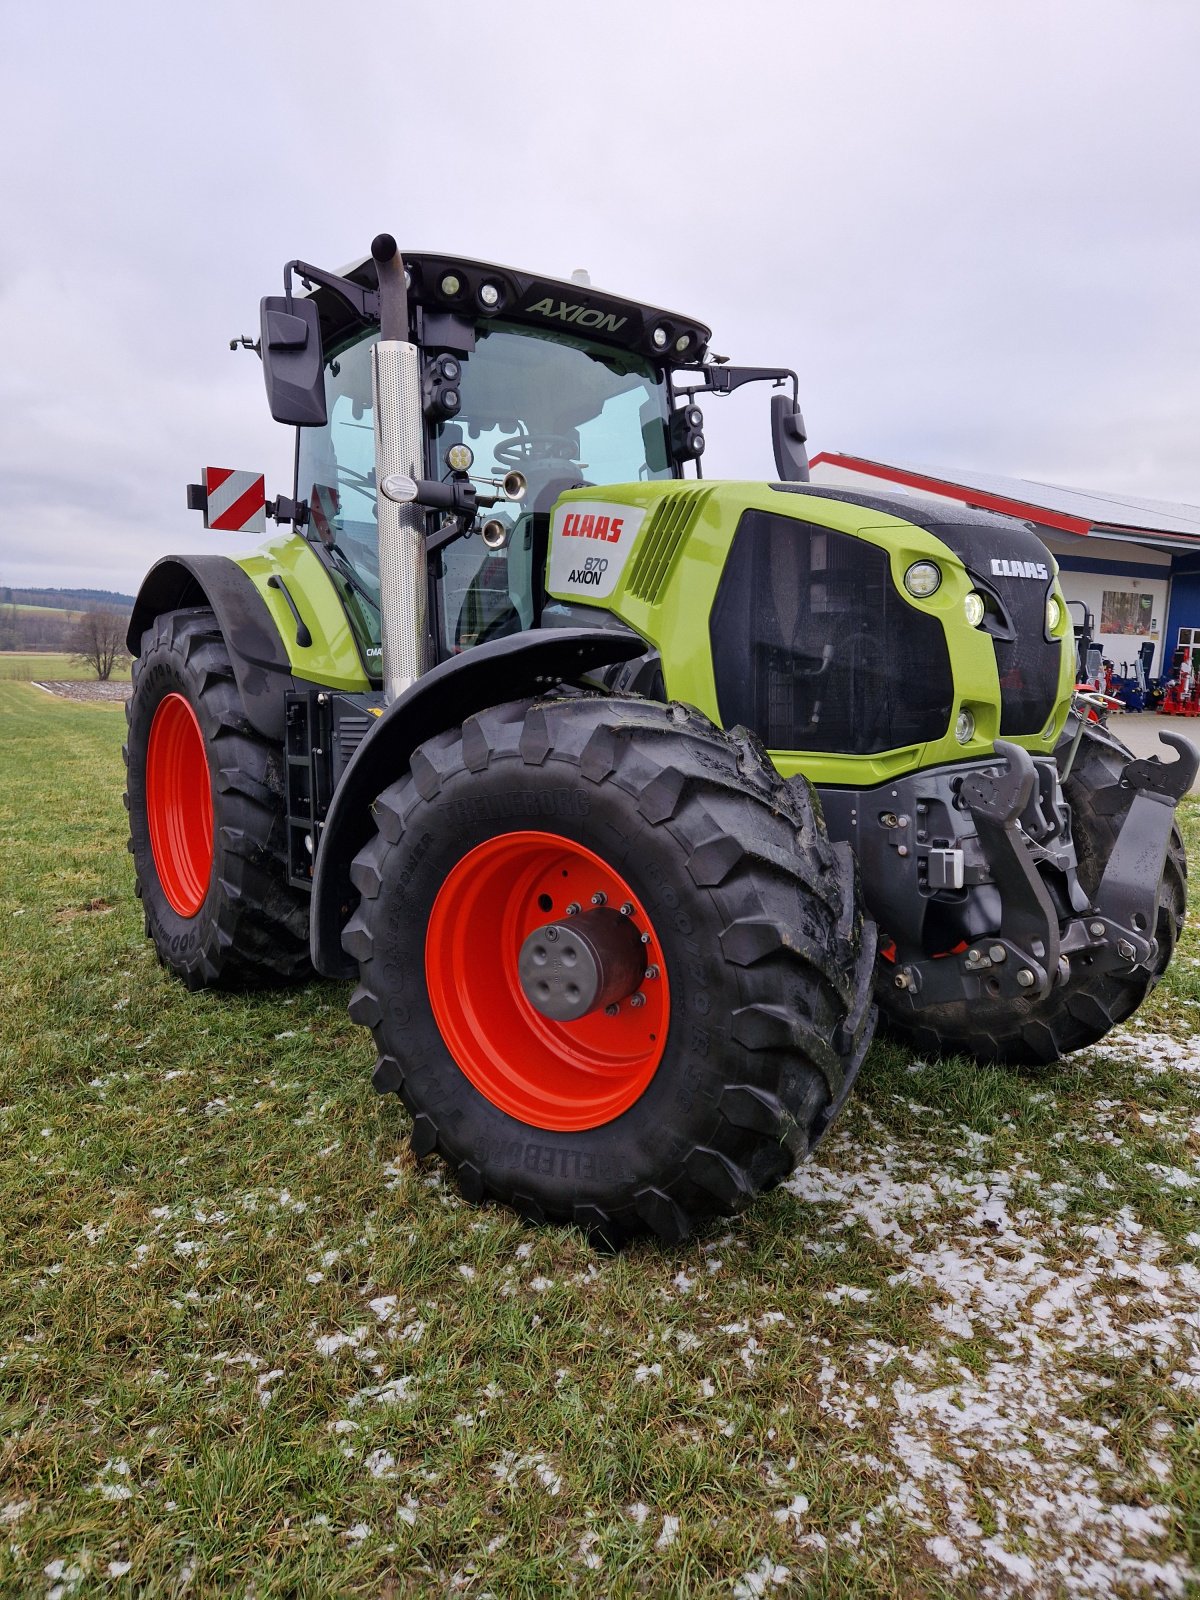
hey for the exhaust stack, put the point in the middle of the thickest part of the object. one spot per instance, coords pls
(396, 390)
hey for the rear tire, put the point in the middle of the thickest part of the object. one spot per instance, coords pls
(204, 791)
(1080, 1012)
(751, 914)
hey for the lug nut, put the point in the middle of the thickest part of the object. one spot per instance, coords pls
(627, 909)
(573, 909)
(599, 898)
(1026, 978)
(652, 972)
(639, 999)
(998, 953)
(611, 1011)
(645, 938)
(1096, 929)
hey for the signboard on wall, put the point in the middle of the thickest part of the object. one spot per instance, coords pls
(1123, 611)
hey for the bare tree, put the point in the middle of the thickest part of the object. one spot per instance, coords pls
(99, 640)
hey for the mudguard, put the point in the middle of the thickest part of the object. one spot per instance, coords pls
(514, 668)
(260, 659)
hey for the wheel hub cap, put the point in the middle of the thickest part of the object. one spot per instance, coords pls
(588, 963)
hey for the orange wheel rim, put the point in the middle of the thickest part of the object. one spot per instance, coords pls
(561, 1076)
(179, 805)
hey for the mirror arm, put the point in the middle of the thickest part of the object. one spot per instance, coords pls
(363, 302)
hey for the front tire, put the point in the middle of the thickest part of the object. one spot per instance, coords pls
(655, 1115)
(204, 791)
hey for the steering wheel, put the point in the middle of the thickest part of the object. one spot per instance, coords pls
(523, 448)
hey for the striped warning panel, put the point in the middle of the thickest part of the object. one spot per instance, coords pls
(237, 501)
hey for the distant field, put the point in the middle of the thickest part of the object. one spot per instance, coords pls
(251, 1346)
(43, 666)
(48, 611)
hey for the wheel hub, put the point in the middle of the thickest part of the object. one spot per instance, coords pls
(586, 963)
(494, 913)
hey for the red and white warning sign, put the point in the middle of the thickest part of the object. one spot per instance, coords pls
(236, 501)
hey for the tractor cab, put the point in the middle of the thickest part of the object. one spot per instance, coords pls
(553, 382)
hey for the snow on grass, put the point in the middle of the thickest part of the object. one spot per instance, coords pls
(1047, 1306)
(1156, 1053)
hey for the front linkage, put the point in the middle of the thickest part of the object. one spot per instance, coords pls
(990, 851)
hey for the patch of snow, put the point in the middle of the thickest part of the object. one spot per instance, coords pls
(765, 1576)
(669, 1534)
(381, 1464)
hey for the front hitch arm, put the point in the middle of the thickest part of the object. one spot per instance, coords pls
(996, 800)
(1127, 898)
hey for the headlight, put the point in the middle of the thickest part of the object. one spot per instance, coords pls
(974, 607)
(1053, 614)
(922, 579)
(964, 728)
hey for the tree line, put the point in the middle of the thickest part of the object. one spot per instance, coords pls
(90, 624)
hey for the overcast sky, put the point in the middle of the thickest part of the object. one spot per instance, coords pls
(973, 228)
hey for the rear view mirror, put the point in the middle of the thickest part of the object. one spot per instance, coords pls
(293, 369)
(788, 436)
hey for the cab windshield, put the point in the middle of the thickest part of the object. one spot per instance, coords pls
(562, 410)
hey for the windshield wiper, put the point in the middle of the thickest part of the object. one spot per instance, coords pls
(350, 578)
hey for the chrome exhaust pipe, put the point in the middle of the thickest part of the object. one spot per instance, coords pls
(399, 440)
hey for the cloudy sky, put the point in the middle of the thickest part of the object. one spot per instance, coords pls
(973, 228)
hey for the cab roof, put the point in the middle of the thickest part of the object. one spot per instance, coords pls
(452, 294)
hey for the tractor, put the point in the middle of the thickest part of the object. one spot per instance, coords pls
(629, 799)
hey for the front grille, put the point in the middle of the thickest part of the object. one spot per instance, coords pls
(1027, 665)
(815, 649)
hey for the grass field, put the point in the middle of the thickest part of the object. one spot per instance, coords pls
(249, 1346)
(43, 666)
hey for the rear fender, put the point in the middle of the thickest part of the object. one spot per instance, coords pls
(260, 658)
(515, 668)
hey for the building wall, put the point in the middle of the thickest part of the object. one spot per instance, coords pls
(1112, 568)
(1185, 608)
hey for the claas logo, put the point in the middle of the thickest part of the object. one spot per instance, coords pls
(583, 525)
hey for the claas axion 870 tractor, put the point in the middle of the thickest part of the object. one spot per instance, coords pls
(629, 798)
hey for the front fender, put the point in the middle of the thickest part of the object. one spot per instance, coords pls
(515, 668)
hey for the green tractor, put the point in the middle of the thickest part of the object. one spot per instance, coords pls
(600, 777)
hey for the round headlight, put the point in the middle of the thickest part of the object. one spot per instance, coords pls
(683, 342)
(459, 457)
(974, 607)
(660, 337)
(451, 284)
(922, 579)
(1053, 614)
(964, 728)
(489, 295)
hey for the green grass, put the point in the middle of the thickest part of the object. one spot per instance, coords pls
(43, 666)
(196, 1191)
